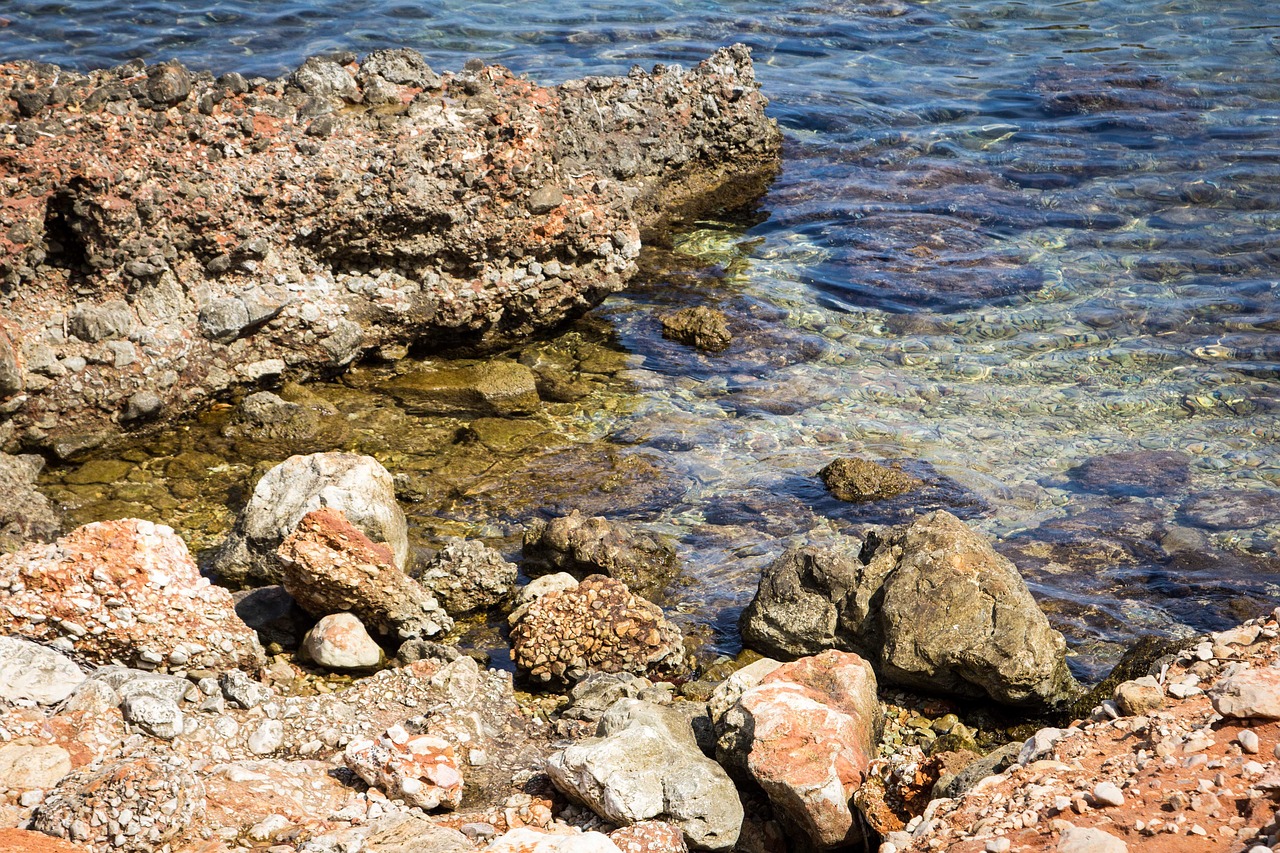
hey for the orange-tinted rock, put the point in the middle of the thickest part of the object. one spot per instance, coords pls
(124, 591)
(28, 841)
(420, 769)
(650, 836)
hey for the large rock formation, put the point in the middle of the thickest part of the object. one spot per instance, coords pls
(165, 235)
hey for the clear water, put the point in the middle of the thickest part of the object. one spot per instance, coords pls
(1008, 237)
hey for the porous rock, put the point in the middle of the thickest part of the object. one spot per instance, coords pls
(339, 642)
(30, 672)
(649, 836)
(700, 327)
(863, 480)
(331, 567)
(467, 576)
(585, 546)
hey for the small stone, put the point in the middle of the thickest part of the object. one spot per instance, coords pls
(998, 845)
(1108, 794)
(267, 738)
(1248, 740)
(339, 641)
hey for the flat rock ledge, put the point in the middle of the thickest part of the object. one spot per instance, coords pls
(166, 236)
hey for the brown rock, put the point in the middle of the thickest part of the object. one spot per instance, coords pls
(700, 327)
(863, 480)
(585, 546)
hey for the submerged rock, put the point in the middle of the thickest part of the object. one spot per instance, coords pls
(701, 327)
(1231, 509)
(495, 388)
(863, 480)
(1140, 473)
(586, 546)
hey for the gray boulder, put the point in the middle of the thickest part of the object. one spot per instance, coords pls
(357, 485)
(157, 717)
(467, 576)
(585, 546)
(644, 764)
(32, 673)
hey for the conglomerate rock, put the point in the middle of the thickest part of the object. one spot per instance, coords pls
(585, 546)
(165, 236)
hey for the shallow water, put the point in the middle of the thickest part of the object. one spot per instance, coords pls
(1008, 237)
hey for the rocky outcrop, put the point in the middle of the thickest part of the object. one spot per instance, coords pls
(645, 764)
(597, 625)
(331, 567)
(169, 235)
(931, 604)
(123, 591)
(585, 546)
(863, 480)
(467, 576)
(357, 485)
(26, 516)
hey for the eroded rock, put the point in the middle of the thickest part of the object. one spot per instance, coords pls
(863, 480)
(467, 576)
(585, 546)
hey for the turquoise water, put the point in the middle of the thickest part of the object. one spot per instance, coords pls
(1008, 237)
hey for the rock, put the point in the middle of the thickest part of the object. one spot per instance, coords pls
(496, 388)
(93, 323)
(32, 673)
(1140, 696)
(1134, 473)
(863, 480)
(126, 683)
(1251, 694)
(168, 84)
(539, 587)
(1040, 745)
(124, 590)
(645, 764)
(357, 485)
(156, 716)
(242, 691)
(266, 738)
(339, 642)
(12, 380)
(1231, 509)
(1108, 794)
(419, 769)
(272, 612)
(729, 691)
(161, 794)
(331, 567)
(467, 576)
(588, 546)
(591, 697)
(806, 734)
(1077, 839)
(701, 327)
(988, 765)
(649, 836)
(413, 833)
(529, 840)
(400, 66)
(597, 625)
(411, 651)
(26, 516)
(26, 767)
(142, 406)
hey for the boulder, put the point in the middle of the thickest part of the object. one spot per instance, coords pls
(339, 642)
(700, 327)
(32, 673)
(597, 625)
(127, 591)
(26, 516)
(494, 388)
(419, 769)
(357, 485)
(467, 576)
(591, 697)
(645, 764)
(863, 480)
(1251, 694)
(584, 546)
(329, 566)
(26, 767)
(806, 734)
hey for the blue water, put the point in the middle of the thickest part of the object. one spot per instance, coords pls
(1008, 237)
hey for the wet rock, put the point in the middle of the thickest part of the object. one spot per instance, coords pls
(645, 764)
(597, 625)
(863, 480)
(161, 718)
(649, 836)
(584, 546)
(331, 567)
(25, 767)
(32, 673)
(1138, 473)
(1140, 696)
(419, 769)
(1253, 693)
(26, 515)
(807, 733)
(357, 485)
(495, 388)
(267, 417)
(529, 840)
(467, 576)
(339, 642)
(123, 590)
(700, 327)
(1230, 509)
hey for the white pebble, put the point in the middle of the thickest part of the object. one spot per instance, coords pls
(1107, 794)
(1248, 741)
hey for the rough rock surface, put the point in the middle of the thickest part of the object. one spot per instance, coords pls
(419, 769)
(26, 516)
(806, 734)
(1133, 473)
(649, 836)
(930, 603)
(331, 567)
(171, 235)
(529, 840)
(863, 480)
(700, 327)
(123, 591)
(467, 576)
(585, 546)
(645, 764)
(30, 672)
(357, 485)
(597, 625)
(339, 642)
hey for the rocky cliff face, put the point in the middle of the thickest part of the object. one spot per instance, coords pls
(165, 236)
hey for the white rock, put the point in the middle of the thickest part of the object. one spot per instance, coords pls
(31, 672)
(339, 641)
(1108, 794)
(1075, 839)
(267, 737)
(1248, 740)
(529, 840)
(25, 767)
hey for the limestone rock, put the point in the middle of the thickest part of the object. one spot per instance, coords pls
(597, 625)
(161, 718)
(591, 697)
(33, 673)
(412, 833)
(645, 764)
(700, 327)
(419, 769)
(25, 767)
(339, 642)
(124, 590)
(26, 516)
(329, 566)
(1140, 696)
(529, 840)
(1079, 839)
(864, 480)
(467, 576)
(357, 485)
(589, 546)
(1251, 694)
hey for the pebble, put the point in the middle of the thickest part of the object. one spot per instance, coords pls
(1248, 740)
(1107, 794)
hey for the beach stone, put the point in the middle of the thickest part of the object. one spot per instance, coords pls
(597, 625)
(32, 673)
(584, 546)
(466, 576)
(26, 516)
(241, 690)
(591, 697)
(1133, 473)
(806, 734)
(526, 839)
(161, 718)
(125, 590)
(1140, 696)
(420, 769)
(168, 84)
(407, 832)
(700, 327)
(644, 764)
(1079, 839)
(495, 388)
(1251, 694)
(649, 836)
(863, 480)
(340, 642)
(357, 485)
(1231, 509)
(25, 767)
(329, 566)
